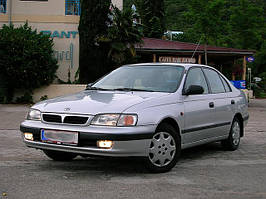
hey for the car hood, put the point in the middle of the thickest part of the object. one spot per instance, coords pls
(96, 102)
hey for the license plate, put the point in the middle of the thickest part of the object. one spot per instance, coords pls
(59, 137)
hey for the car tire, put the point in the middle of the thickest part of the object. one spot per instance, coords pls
(233, 140)
(59, 155)
(164, 149)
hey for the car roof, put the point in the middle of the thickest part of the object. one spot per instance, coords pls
(186, 66)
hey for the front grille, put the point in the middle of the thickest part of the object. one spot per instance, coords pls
(67, 119)
(75, 120)
(52, 118)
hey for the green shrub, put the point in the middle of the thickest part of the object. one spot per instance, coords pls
(3, 89)
(26, 98)
(27, 60)
(44, 97)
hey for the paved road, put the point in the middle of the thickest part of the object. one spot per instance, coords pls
(202, 172)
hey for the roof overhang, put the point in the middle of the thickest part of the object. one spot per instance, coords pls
(190, 51)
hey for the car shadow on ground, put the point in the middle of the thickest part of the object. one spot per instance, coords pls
(126, 165)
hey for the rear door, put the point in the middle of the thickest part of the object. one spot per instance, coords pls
(222, 103)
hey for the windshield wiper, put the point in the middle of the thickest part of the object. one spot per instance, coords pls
(132, 89)
(97, 88)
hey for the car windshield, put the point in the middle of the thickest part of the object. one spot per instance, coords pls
(155, 78)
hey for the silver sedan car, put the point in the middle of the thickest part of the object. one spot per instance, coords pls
(145, 110)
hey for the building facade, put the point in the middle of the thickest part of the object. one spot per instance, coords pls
(59, 18)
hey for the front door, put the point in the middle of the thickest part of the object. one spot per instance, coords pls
(199, 111)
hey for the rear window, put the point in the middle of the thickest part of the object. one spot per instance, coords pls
(226, 86)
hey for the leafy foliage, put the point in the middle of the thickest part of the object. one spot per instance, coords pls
(208, 22)
(93, 23)
(245, 22)
(27, 60)
(107, 39)
(237, 24)
(121, 37)
(152, 14)
(153, 18)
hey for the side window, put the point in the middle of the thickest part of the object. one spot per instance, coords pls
(226, 86)
(195, 76)
(215, 81)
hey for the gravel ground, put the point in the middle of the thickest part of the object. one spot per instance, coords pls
(202, 172)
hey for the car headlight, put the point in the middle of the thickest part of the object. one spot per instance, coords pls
(115, 120)
(34, 114)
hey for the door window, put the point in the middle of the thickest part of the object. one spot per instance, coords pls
(215, 81)
(195, 76)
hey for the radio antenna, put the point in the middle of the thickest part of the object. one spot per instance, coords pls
(196, 47)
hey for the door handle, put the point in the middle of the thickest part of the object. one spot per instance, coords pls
(232, 101)
(211, 104)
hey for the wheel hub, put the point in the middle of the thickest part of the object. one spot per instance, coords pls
(162, 149)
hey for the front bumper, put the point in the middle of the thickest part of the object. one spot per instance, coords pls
(245, 120)
(128, 141)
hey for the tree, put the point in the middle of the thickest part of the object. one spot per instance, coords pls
(208, 22)
(93, 23)
(27, 60)
(174, 11)
(153, 17)
(121, 37)
(246, 22)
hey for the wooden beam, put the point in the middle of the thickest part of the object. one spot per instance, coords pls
(205, 53)
(233, 76)
(199, 59)
(154, 57)
(244, 68)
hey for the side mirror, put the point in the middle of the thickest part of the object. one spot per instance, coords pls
(193, 90)
(89, 85)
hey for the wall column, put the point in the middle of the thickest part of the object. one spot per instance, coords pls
(244, 68)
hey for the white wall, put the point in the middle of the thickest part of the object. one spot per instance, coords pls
(118, 3)
(50, 16)
(50, 7)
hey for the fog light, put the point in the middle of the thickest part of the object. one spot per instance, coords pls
(28, 136)
(106, 144)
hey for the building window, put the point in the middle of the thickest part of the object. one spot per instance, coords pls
(2, 6)
(72, 7)
(33, 0)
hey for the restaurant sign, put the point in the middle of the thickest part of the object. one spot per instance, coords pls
(169, 59)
